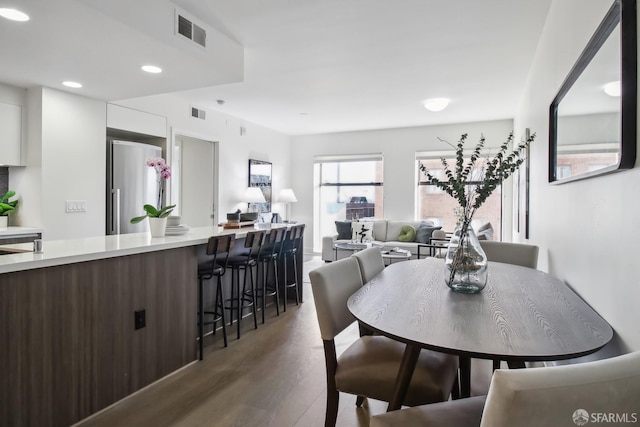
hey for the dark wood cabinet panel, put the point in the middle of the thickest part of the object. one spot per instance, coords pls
(68, 346)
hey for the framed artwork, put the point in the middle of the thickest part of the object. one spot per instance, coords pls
(527, 175)
(260, 176)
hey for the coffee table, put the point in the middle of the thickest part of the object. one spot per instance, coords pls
(353, 247)
(393, 255)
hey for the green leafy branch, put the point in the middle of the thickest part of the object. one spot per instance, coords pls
(492, 172)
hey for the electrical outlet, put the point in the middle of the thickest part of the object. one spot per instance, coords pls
(139, 321)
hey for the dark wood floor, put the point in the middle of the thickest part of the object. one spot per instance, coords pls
(273, 376)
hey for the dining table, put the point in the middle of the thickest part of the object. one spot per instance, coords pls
(522, 315)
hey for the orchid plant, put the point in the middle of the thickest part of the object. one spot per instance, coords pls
(163, 173)
(6, 205)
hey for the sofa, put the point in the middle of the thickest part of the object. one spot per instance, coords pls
(385, 232)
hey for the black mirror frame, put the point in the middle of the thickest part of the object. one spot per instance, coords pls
(623, 12)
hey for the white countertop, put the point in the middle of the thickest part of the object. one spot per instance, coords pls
(59, 252)
(16, 231)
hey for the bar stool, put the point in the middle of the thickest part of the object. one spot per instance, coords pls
(245, 261)
(268, 256)
(215, 265)
(288, 254)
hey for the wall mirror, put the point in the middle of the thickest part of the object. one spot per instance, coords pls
(260, 176)
(592, 122)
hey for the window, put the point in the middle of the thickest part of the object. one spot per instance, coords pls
(346, 188)
(433, 204)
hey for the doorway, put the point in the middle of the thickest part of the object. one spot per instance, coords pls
(198, 186)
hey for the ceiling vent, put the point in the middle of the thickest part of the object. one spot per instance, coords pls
(191, 31)
(198, 113)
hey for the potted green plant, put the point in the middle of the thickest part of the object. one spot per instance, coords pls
(465, 262)
(7, 206)
(157, 214)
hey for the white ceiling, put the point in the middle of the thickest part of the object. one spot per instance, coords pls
(310, 66)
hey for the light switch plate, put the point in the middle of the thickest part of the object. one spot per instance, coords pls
(73, 206)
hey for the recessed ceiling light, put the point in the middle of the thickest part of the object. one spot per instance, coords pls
(612, 89)
(74, 85)
(13, 14)
(151, 69)
(436, 104)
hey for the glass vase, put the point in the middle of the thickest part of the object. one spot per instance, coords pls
(465, 262)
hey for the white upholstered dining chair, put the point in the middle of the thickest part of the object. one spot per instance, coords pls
(371, 263)
(370, 365)
(511, 253)
(566, 395)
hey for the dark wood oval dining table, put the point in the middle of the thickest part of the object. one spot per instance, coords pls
(521, 315)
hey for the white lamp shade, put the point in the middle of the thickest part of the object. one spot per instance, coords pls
(253, 195)
(286, 195)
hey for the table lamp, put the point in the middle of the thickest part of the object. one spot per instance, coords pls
(287, 196)
(253, 195)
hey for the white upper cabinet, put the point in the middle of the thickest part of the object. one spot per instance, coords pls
(131, 120)
(10, 135)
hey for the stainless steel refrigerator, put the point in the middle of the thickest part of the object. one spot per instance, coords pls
(130, 185)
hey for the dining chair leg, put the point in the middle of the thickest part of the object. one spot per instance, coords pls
(407, 366)
(331, 415)
(359, 401)
(455, 389)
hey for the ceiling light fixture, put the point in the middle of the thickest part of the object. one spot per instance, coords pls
(13, 14)
(151, 69)
(74, 85)
(436, 104)
(613, 89)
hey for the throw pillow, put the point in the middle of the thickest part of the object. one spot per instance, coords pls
(485, 232)
(344, 230)
(407, 233)
(363, 231)
(425, 231)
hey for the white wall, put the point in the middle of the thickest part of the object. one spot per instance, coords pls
(15, 96)
(235, 150)
(398, 147)
(66, 157)
(585, 229)
(66, 160)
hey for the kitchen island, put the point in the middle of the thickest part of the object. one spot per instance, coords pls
(69, 346)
